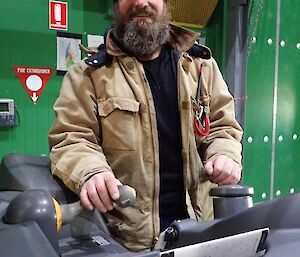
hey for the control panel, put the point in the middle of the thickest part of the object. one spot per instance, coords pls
(7, 112)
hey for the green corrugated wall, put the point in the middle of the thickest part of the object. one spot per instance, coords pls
(272, 121)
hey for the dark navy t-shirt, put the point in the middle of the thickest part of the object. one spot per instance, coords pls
(162, 77)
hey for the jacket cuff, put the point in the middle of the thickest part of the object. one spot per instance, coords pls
(87, 176)
(227, 147)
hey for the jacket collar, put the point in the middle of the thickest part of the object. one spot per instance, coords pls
(181, 39)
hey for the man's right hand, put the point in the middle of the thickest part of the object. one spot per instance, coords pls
(100, 191)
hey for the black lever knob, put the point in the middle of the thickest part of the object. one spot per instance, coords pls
(231, 199)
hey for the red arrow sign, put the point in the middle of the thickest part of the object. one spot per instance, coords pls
(33, 79)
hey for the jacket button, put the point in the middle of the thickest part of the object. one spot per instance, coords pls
(130, 65)
(106, 108)
(184, 155)
(143, 108)
(147, 207)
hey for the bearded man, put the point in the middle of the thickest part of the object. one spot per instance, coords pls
(147, 110)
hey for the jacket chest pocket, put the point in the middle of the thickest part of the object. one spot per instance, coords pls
(119, 123)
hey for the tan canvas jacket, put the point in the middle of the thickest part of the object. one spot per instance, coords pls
(105, 121)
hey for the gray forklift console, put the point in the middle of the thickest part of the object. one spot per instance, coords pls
(85, 236)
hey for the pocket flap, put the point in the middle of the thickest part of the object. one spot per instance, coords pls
(123, 104)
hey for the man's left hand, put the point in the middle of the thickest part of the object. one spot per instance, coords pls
(222, 170)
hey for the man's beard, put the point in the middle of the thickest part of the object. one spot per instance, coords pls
(143, 37)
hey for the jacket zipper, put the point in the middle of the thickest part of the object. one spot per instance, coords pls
(184, 168)
(155, 208)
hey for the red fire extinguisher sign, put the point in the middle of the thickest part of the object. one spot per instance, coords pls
(58, 15)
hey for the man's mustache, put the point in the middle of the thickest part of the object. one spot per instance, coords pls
(146, 11)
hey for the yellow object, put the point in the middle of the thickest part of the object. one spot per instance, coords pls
(192, 13)
(132, 190)
(188, 25)
(58, 215)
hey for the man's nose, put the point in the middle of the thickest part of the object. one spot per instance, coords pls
(141, 3)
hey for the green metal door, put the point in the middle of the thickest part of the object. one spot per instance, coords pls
(271, 121)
